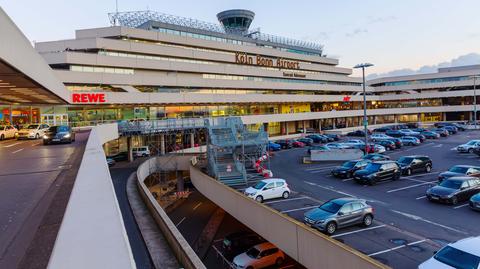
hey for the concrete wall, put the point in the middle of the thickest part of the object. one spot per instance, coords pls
(180, 247)
(306, 245)
(92, 233)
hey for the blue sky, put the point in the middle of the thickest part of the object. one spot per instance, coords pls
(400, 36)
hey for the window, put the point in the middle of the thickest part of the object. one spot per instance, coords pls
(457, 258)
(279, 184)
(269, 186)
(356, 206)
(346, 208)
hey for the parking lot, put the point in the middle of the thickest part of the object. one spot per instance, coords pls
(407, 227)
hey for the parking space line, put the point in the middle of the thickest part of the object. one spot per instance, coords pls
(230, 265)
(412, 186)
(195, 207)
(298, 209)
(395, 248)
(11, 145)
(360, 230)
(419, 175)
(180, 222)
(421, 197)
(460, 206)
(16, 151)
(286, 200)
(411, 216)
(347, 179)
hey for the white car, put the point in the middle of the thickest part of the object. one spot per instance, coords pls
(7, 131)
(259, 256)
(469, 146)
(379, 137)
(268, 189)
(464, 253)
(33, 131)
(141, 152)
(334, 145)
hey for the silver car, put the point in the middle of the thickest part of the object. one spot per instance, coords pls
(340, 212)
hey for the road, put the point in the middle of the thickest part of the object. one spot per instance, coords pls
(30, 176)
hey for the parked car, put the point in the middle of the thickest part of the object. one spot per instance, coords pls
(111, 162)
(317, 138)
(463, 254)
(387, 144)
(260, 256)
(347, 169)
(394, 133)
(419, 130)
(376, 157)
(460, 170)
(285, 144)
(273, 146)
(121, 156)
(408, 132)
(335, 137)
(58, 134)
(239, 242)
(379, 137)
(458, 126)
(451, 129)
(329, 139)
(352, 142)
(477, 151)
(338, 213)
(318, 147)
(141, 151)
(454, 190)
(469, 146)
(397, 141)
(297, 144)
(415, 163)
(377, 171)
(441, 131)
(334, 145)
(410, 141)
(475, 202)
(430, 134)
(382, 129)
(268, 189)
(420, 137)
(7, 131)
(359, 133)
(305, 140)
(32, 131)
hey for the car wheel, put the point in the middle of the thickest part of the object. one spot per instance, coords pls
(408, 172)
(37, 136)
(454, 200)
(45, 142)
(2, 137)
(285, 194)
(470, 150)
(279, 261)
(259, 199)
(428, 169)
(331, 228)
(367, 220)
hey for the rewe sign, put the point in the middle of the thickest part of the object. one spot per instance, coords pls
(88, 98)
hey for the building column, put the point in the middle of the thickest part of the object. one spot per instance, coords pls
(374, 120)
(304, 127)
(395, 117)
(162, 144)
(444, 116)
(334, 123)
(286, 127)
(470, 117)
(130, 149)
(319, 125)
(11, 114)
(346, 122)
(192, 140)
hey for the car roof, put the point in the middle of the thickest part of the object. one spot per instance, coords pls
(466, 166)
(345, 200)
(383, 162)
(461, 178)
(270, 180)
(264, 246)
(469, 245)
(417, 156)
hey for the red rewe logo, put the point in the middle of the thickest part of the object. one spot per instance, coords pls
(88, 98)
(346, 98)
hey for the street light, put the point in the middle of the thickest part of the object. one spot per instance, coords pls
(475, 100)
(365, 121)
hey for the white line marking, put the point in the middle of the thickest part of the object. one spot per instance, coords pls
(410, 216)
(412, 186)
(298, 209)
(357, 231)
(421, 197)
(33, 145)
(460, 206)
(17, 151)
(347, 179)
(320, 168)
(420, 175)
(286, 200)
(195, 207)
(395, 248)
(14, 144)
(438, 146)
(454, 148)
(180, 221)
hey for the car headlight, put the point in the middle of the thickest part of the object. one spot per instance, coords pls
(67, 135)
(45, 137)
(31, 133)
(320, 221)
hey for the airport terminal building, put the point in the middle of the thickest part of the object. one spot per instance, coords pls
(155, 66)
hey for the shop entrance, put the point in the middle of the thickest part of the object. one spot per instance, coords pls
(55, 119)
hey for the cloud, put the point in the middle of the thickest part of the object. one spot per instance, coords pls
(356, 32)
(315, 37)
(467, 59)
(373, 20)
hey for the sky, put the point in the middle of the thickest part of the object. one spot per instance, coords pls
(398, 37)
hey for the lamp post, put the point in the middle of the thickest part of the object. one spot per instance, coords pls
(475, 100)
(365, 121)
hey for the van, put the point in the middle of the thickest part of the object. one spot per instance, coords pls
(141, 152)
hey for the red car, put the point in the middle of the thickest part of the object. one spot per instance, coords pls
(297, 144)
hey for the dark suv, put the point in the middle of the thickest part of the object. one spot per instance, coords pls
(348, 168)
(378, 171)
(415, 164)
(285, 144)
(236, 243)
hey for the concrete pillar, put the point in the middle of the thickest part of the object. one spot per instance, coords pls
(395, 118)
(374, 120)
(346, 122)
(470, 117)
(11, 114)
(286, 127)
(192, 140)
(180, 181)
(304, 127)
(130, 149)
(320, 125)
(444, 116)
(30, 116)
(334, 123)
(162, 144)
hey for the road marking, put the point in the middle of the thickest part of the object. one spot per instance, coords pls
(286, 200)
(412, 186)
(298, 209)
(11, 145)
(320, 168)
(16, 151)
(230, 265)
(180, 222)
(360, 230)
(419, 175)
(421, 197)
(460, 206)
(195, 207)
(395, 248)
(347, 179)
(438, 146)
(454, 148)
(410, 216)
(33, 145)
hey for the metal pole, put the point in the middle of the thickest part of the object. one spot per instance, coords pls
(475, 102)
(364, 110)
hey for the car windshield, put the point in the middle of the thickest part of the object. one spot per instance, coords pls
(471, 143)
(405, 160)
(459, 169)
(451, 184)
(253, 253)
(457, 258)
(349, 164)
(260, 185)
(58, 129)
(372, 167)
(331, 207)
(33, 126)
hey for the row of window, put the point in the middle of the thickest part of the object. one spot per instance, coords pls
(426, 81)
(282, 80)
(98, 69)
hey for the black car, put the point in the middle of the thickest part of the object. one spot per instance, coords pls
(460, 127)
(394, 133)
(377, 171)
(454, 190)
(358, 133)
(398, 142)
(441, 131)
(460, 170)
(317, 138)
(122, 156)
(451, 129)
(388, 144)
(376, 157)
(239, 242)
(430, 135)
(349, 167)
(305, 140)
(414, 164)
(329, 139)
(59, 134)
(285, 144)
(335, 137)
(382, 129)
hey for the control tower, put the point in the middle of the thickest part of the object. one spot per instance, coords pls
(236, 21)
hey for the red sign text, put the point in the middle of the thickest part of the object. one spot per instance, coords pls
(88, 98)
